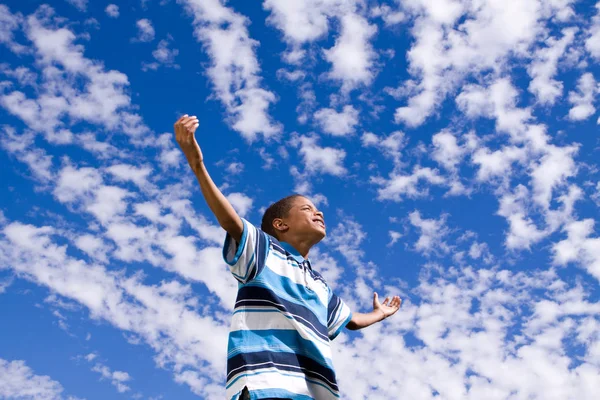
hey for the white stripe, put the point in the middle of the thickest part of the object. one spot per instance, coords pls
(241, 267)
(256, 321)
(288, 270)
(342, 313)
(270, 377)
(300, 371)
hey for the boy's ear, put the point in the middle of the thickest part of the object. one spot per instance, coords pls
(280, 225)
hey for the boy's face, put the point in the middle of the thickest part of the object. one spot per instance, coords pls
(304, 219)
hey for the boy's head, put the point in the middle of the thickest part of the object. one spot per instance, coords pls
(294, 217)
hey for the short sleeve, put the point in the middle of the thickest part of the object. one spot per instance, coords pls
(247, 258)
(338, 315)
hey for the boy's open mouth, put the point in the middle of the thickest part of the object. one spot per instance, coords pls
(320, 222)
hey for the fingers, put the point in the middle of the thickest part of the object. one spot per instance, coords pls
(185, 128)
(375, 299)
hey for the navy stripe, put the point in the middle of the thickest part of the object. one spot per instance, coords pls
(281, 361)
(334, 304)
(252, 295)
(260, 253)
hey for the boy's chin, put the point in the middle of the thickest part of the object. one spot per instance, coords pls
(320, 234)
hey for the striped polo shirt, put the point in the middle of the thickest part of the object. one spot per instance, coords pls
(284, 319)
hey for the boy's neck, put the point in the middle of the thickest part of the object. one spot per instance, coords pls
(302, 246)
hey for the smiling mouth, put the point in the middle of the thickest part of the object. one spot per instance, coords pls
(320, 223)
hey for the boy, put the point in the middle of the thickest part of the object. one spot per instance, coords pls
(285, 313)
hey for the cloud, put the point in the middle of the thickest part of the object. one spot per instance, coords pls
(81, 5)
(164, 316)
(579, 247)
(112, 10)
(583, 99)
(352, 57)
(446, 151)
(10, 23)
(18, 381)
(432, 232)
(163, 55)
(145, 30)
(389, 15)
(456, 39)
(324, 160)
(116, 378)
(400, 185)
(234, 70)
(99, 98)
(544, 66)
(337, 124)
(390, 146)
(468, 341)
(241, 203)
(592, 43)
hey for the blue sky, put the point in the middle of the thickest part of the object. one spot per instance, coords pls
(451, 144)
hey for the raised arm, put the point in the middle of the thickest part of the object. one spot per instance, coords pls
(185, 127)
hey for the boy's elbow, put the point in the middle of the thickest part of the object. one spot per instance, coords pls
(352, 325)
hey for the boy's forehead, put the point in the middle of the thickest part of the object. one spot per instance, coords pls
(300, 201)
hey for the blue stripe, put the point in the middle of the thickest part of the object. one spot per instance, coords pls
(310, 331)
(254, 294)
(342, 326)
(291, 291)
(275, 340)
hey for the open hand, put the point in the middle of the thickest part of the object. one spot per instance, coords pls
(185, 127)
(388, 307)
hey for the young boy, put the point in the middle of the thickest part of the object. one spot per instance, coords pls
(285, 313)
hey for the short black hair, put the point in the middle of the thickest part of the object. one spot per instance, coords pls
(279, 209)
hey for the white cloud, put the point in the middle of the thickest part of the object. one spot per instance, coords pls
(131, 173)
(324, 160)
(145, 30)
(4, 284)
(446, 151)
(81, 5)
(8, 24)
(454, 39)
(337, 124)
(241, 203)
(472, 342)
(432, 233)
(352, 57)
(390, 16)
(164, 316)
(544, 66)
(18, 381)
(98, 97)
(394, 237)
(391, 146)
(163, 55)
(112, 10)
(583, 99)
(235, 71)
(592, 43)
(399, 185)
(300, 21)
(579, 247)
(116, 378)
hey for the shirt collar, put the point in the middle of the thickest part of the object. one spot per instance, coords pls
(290, 249)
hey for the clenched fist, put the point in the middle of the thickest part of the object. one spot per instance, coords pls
(185, 127)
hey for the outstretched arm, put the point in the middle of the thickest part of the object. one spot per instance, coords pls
(185, 127)
(380, 312)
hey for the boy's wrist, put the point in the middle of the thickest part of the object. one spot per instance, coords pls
(383, 316)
